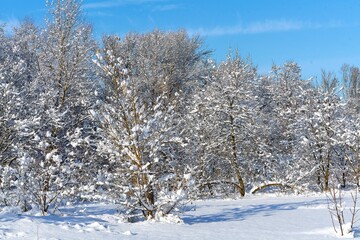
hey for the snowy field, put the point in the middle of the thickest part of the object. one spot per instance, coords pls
(254, 217)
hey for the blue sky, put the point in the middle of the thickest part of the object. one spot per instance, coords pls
(318, 34)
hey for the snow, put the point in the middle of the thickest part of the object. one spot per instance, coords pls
(253, 217)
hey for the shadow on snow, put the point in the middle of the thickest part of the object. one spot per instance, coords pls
(74, 215)
(240, 213)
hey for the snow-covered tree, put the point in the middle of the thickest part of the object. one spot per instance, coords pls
(225, 117)
(317, 129)
(140, 142)
(282, 115)
(55, 130)
(351, 127)
(15, 72)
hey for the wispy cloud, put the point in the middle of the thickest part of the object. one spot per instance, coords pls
(263, 27)
(165, 8)
(116, 3)
(100, 14)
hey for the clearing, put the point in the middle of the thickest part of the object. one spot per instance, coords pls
(253, 217)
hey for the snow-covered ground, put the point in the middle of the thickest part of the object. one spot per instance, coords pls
(254, 217)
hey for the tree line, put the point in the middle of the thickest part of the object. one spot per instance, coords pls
(150, 120)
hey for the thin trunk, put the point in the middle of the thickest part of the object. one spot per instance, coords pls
(327, 175)
(234, 158)
(44, 200)
(240, 186)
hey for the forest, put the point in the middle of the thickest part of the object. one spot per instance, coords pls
(149, 121)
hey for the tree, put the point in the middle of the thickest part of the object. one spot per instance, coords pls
(140, 141)
(15, 72)
(226, 124)
(350, 136)
(281, 115)
(56, 128)
(320, 131)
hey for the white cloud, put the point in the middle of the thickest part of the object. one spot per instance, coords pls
(116, 3)
(104, 4)
(164, 8)
(262, 27)
(100, 14)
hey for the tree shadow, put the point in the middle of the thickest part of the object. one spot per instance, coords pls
(80, 214)
(356, 232)
(241, 213)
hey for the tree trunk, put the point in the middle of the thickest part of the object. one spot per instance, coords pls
(327, 172)
(233, 160)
